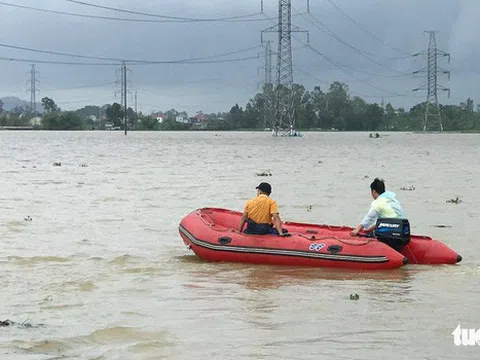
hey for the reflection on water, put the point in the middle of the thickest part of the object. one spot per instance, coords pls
(102, 266)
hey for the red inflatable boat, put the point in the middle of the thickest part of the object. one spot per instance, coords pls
(212, 235)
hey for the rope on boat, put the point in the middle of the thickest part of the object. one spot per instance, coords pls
(211, 224)
(345, 241)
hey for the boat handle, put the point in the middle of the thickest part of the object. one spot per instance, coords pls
(334, 249)
(224, 240)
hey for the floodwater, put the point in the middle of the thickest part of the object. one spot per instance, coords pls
(100, 271)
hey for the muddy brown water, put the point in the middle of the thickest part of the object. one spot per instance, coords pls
(101, 264)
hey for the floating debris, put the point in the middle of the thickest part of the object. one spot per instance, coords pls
(366, 177)
(454, 201)
(264, 173)
(28, 218)
(320, 161)
(410, 188)
(23, 324)
(309, 207)
(442, 226)
(354, 296)
(83, 165)
(57, 164)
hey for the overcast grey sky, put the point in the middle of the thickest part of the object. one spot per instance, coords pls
(384, 31)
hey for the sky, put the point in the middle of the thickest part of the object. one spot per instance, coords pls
(367, 44)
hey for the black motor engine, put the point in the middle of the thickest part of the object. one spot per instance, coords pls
(393, 232)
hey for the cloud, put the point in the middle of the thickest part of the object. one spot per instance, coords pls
(366, 47)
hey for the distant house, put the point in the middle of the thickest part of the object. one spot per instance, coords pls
(35, 121)
(182, 118)
(201, 117)
(199, 121)
(159, 116)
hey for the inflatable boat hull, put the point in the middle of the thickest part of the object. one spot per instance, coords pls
(211, 234)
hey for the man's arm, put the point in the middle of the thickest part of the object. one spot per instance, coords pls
(243, 219)
(368, 222)
(277, 222)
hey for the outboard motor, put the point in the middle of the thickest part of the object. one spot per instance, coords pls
(393, 232)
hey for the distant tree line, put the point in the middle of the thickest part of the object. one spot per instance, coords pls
(333, 109)
(336, 109)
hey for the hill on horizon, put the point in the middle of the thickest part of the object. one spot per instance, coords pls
(9, 102)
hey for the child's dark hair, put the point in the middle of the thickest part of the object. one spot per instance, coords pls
(378, 185)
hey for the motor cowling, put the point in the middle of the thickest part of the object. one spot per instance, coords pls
(393, 232)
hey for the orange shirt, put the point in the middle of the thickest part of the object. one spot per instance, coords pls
(261, 208)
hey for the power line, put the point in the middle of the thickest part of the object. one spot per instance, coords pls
(12, 59)
(322, 27)
(348, 72)
(57, 12)
(183, 19)
(132, 64)
(80, 87)
(137, 62)
(366, 30)
(309, 74)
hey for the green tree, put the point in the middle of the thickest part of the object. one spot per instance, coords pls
(235, 116)
(148, 123)
(374, 117)
(49, 105)
(66, 120)
(357, 114)
(114, 114)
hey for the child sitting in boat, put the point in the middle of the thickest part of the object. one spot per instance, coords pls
(260, 212)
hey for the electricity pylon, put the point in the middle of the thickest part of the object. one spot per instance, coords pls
(284, 116)
(433, 119)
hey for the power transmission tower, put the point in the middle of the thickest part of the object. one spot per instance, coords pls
(268, 62)
(267, 87)
(433, 119)
(136, 112)
(123, 91)
(33, 91)
(284, 116)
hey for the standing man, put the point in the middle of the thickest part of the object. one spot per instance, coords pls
(260, 212)
(384, 205)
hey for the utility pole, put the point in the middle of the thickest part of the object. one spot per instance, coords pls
(433, 119)
(267, 86)
(124, 78)
(136, 113)
(284, 119)
(123, 91)
(268, 62)
(33, 91)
